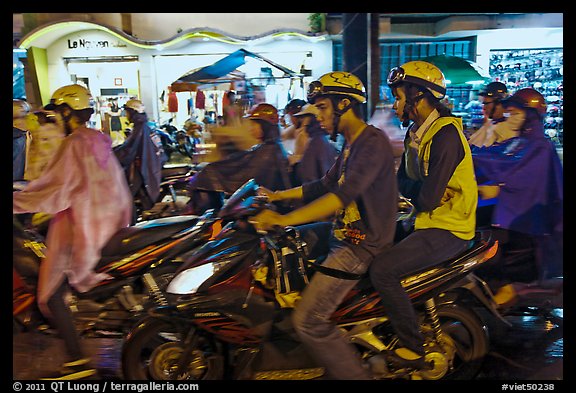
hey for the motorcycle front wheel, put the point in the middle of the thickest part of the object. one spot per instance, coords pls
(153, 349)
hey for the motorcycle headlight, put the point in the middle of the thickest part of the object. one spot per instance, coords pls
(188, 281)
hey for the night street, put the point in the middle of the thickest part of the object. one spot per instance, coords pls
(532, 349)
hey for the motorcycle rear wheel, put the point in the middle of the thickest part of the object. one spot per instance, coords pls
(152, 350)
(469, 335)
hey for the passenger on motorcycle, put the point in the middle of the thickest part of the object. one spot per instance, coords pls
(523, 180)
(84, 187)
(497, 127)
(319, 152)
(359, 193)
(141, 159)
(437, 174)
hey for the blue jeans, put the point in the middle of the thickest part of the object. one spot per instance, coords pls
(421, 249)
(311, 317)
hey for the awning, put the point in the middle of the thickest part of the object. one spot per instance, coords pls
(459, 71)
(223, 71)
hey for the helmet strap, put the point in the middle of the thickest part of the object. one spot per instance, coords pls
(337, 114)
(411, 101)
(493, 110)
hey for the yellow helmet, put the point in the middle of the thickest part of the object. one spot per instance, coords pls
(20, 109)
(75, 96)
(337, 82)
(136, 105)
(419, 73)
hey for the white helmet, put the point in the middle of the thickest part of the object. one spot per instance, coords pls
(307, 109)
(20, 109)
(136, 105)
(75, 96)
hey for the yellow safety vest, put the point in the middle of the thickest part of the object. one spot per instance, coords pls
(458, 215)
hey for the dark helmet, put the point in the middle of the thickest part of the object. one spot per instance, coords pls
(294, 106)
(263, 111)
(527, 98)
(496, 90)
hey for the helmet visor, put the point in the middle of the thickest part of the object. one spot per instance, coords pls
(317, 89)
(396, 74)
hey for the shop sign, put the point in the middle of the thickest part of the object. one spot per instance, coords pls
(93, 44)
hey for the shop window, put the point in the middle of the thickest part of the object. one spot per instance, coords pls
(541, 69)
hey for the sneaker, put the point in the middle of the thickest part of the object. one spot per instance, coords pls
(77, 369)
(404, 357)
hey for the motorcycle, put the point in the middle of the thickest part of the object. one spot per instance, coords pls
(140, 261)
(175, 140)
(227, 311)
(173, 191)
(515, 264)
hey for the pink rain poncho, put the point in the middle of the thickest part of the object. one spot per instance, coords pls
(85, 190)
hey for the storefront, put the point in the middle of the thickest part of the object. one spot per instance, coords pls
(541, 69)
(117, 67)
(537, 62)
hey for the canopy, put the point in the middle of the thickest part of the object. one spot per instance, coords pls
(457, 70)
(223, 71)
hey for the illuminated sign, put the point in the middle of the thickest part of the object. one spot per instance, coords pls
(92, 44)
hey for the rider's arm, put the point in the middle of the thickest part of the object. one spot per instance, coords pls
(291, 193)
(317, 210)
(446, 152)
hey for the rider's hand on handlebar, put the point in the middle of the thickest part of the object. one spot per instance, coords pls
(264, 192)
(266, 220)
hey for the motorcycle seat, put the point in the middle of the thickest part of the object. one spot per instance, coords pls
(175, 171)
(481, 242)
(132, 238)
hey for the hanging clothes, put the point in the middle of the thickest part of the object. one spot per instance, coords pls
(200, 100)
(172, 102)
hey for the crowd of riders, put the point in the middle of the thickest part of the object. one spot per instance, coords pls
(92, 189)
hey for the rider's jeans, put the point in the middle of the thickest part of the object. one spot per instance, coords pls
(312, 314)
(421, 249)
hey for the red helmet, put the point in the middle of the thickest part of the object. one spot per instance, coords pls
(527, 98)
(263, 111)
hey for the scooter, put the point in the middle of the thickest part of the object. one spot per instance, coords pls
(175, 140)
(515, 266)
(227, 311)
(140, 261)
(173, 191)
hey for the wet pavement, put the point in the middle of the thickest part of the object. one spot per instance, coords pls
(531, 349)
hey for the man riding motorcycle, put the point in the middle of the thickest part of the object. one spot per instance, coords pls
(360, 192)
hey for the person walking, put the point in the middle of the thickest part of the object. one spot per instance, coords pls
(437, 174)
(360, 194)
(84, 187)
